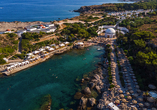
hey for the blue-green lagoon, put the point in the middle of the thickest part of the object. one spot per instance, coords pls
(56, 76)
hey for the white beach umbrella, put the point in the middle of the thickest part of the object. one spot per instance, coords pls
(53, 45)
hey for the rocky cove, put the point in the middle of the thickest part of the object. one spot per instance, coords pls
(58, 76)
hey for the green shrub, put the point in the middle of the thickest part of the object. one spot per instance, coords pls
(11, 35)
(15, 42)
(1, 50)
(2, 61)
(126, 51)
(155, 31)
(111, 86)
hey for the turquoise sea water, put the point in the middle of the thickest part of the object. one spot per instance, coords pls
(56, 76)
(43, 10)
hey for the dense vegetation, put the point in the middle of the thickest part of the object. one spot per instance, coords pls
(33, 36)
(106, 21)
(77, 31)
(142, 56)
(135, 22)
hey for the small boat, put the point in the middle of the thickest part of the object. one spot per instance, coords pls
(98, 49)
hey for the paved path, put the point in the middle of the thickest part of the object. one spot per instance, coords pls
(116, 67)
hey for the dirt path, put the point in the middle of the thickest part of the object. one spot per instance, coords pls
(49, 37)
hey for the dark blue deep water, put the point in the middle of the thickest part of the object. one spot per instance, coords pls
(43, 10)
(56, 76)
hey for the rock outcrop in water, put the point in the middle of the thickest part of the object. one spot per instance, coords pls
(78, 95)
(83, 102)
(87, 90)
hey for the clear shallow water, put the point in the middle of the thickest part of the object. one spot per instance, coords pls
(43, 10)
(23, 90)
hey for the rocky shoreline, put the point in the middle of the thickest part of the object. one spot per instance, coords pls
(93, 85)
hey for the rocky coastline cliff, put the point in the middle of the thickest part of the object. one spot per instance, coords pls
(93, 8)
(104, 7)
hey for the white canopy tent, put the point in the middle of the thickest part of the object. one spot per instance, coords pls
(23, 63)
(51, 49)
(27, 62)
(47, 47)
(62, 45)
(41, 49)
(53, 45)
(19, 64)
(29, 54)
(8, 68)
(12, 66)
(15, 64)
(66, 43)
(80, 43)
(36, 52)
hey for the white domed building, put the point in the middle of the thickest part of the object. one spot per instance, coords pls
(110, 33)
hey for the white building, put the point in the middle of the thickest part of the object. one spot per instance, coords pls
(106, 26)
(19, 33)
(123, 29)
(110, 33)
(50, 30)
(8, 31)
(31, 29)
(49, 25)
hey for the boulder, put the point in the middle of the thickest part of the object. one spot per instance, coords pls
(78, 95)
(100, 82)
(100, 106)
(97, 77)
(82, 80)
(98, 89)
(87, 78)
(87, 90)
(92, 85)
(92, 101)
(83, 102)
(94, 80)
(101, 77)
